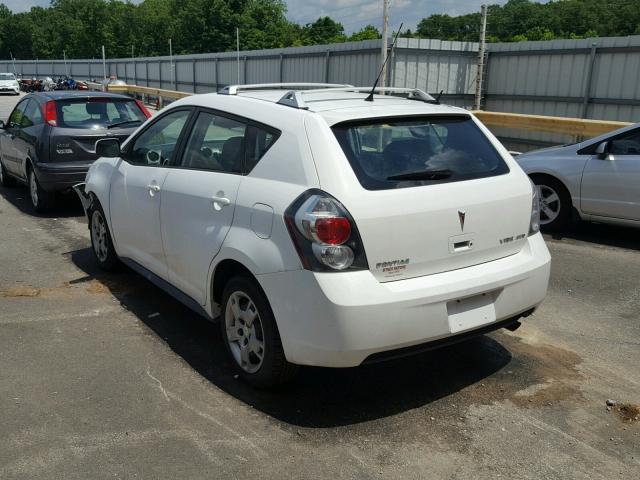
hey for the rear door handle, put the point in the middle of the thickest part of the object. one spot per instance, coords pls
(153, 189)
(220, 202)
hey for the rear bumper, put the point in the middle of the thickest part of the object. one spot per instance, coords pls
(345, 319)
(54, 177)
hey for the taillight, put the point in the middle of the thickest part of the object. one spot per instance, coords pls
(51, 113)
(324, 233)
(143, 108)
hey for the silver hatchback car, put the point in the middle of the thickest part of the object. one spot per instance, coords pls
(599, 178)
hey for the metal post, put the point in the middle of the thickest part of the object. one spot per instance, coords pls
(244, 70)
(481, 59)
(216, 71)
(238, 51)
(385, 36)
(171, 72)
(193, 74)
(589, 81)
(64, 56)
(280, 68)
(326, 66)
(146, 71)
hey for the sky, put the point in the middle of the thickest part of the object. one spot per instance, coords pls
(353, 14)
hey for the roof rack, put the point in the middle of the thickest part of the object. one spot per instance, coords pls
(235, 89)
(294, 98)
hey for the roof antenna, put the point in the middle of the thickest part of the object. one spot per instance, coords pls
(437, 102)
(375, 84)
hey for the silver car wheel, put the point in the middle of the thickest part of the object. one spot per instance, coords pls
(33, 188)
(550, 204)
(244, 332)
(99, 236)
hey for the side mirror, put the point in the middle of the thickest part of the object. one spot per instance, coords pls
(602, 151)
(108, 147)
(2, 125)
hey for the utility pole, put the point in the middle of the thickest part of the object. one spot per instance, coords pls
(238, 52)
(385, 35)
(482, 57)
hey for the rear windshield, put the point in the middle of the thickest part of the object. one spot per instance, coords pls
(409, 152)
(7, 76)
(99, 113)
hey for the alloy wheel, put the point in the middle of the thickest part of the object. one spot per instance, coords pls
(33, 188)
(550, 204)
(245, 334)
(99, 236)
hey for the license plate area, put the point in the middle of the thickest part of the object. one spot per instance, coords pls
(471, 312)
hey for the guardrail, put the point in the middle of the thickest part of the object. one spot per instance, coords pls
(576, 127)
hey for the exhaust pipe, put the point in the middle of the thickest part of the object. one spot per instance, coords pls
(512, 327)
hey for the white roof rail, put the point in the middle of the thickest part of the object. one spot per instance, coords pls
(294, 98)
(235, 89)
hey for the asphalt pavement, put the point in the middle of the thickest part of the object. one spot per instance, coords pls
(104, 376)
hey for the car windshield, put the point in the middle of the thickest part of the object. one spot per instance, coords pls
(408, 152)
(99, 112)
(7, 76)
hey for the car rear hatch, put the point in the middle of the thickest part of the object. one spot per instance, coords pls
(437, 196)
(81, 121)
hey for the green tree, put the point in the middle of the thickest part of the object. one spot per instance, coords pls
(368, 32)
(322, 31)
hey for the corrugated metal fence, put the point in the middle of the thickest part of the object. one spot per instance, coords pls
(592, 78)
(431, 65)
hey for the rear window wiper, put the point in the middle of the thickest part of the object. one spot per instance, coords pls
(423, 175)
(119, 124)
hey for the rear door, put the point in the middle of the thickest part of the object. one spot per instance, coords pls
(28, 137)
(199, 198)
(611, 186)
(9, 154)
(436, 195)
(137, 190)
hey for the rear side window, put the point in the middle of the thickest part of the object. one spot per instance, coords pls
(409, 152)
(99, 112)
(32, 115)
(220, 143)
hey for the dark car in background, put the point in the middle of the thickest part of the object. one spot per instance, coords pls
(49, 140)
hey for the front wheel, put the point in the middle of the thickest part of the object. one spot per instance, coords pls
(251, 335)
(101, 244)
(555, 203)
(41, 200)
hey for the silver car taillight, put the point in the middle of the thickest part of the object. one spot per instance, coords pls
(534, 225)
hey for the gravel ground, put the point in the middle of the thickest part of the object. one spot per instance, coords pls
(104, 376)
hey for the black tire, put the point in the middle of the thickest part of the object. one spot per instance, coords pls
(274, 369)
(5, 179)
(555, 215)
(101, 243)
(41, 200)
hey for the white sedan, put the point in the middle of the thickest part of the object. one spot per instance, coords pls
(598, 178)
